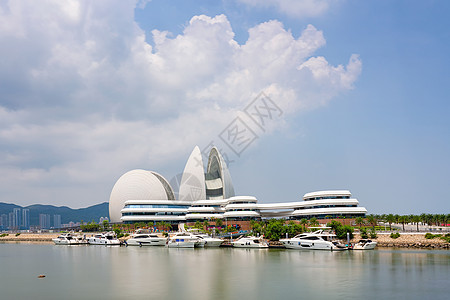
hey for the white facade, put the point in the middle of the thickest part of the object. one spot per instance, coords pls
(145, 196)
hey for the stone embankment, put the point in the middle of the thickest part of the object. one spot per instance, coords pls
(29, 237)
(408, 241)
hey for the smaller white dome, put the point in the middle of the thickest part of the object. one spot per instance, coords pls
(137, 185)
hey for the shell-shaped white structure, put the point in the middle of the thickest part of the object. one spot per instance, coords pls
(137, 185)
(218, 178)
(192, 185)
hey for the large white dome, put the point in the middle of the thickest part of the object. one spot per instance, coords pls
(137, 185)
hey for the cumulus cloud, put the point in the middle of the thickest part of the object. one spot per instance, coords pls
(294, 8)
(85, 98)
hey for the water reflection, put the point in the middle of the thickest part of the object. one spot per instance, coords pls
(90, 272)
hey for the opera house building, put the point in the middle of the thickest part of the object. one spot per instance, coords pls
(206, 194)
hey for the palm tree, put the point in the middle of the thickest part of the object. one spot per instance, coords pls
(372, 220)
(313, 222)
(403, 220)
(219, 222)
(390, 219)
(416, 219)
(205, 225)
(359, 221)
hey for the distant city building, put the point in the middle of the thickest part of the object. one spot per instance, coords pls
(11, 221)
(208, 193)
(25, 218)
(44, 221)
(4, 221)
(17, 218)
(56, 221)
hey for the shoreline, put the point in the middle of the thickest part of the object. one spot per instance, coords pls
(406, 240)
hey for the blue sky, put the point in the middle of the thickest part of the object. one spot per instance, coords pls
(91, 90)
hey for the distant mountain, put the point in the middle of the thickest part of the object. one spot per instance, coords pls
(68, 214)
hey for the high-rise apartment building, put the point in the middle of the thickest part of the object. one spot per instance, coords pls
(44, 221)
(56, 221)
(25, 218)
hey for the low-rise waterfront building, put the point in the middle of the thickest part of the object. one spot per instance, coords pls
(146, 196)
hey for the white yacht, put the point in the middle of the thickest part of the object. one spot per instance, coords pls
(185, 240)
(143, 238)
(210, 241)
(318, 240)
(65, 239)
(365, 244)
(108, 239)
(250, 242)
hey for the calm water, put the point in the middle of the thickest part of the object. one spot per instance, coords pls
(99, 272)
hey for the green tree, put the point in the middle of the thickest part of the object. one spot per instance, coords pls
(219, 222)
(304, 222)
(341, 230)
(205, 225)
(198, 224)
(390, 219)
(359, 221)
(105, 225)
(372, 220)
(363, 232)
(313, 222)
(275, 229)
(416, 219)
(403, 220)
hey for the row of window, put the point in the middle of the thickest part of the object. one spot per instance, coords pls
(156, 206)
(327, 197)
(330, 216)
(324, 206)
(172, 213)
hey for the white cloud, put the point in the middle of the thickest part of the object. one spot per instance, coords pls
(294, 8)
(84, 98)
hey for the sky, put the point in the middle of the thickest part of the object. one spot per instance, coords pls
(298, 95)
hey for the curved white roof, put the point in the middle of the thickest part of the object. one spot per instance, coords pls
(331, 193)
(192, 186)
(137, 185)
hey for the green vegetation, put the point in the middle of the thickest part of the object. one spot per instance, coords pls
(446, 237)
(90, 227)
(17, 234)
(341, 230)
(424, 219)
(3, 234)
(395, 235)
(442, 237)
(363, 232)
(373, 233)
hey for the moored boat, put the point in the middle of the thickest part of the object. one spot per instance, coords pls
(365, 244)
(317, 240)
(210, 241)
(65, 239)
(107, 239)
(250, 242)
(143, 238)
(185, 240)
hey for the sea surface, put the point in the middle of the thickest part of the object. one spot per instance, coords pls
(100, 272)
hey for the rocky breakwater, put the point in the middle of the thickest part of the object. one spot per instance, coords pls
(408, 241)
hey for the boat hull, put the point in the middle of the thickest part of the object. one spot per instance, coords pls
(181, 244)
(308, 245)
(95, 241)
(147, 242)
(369, 246)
